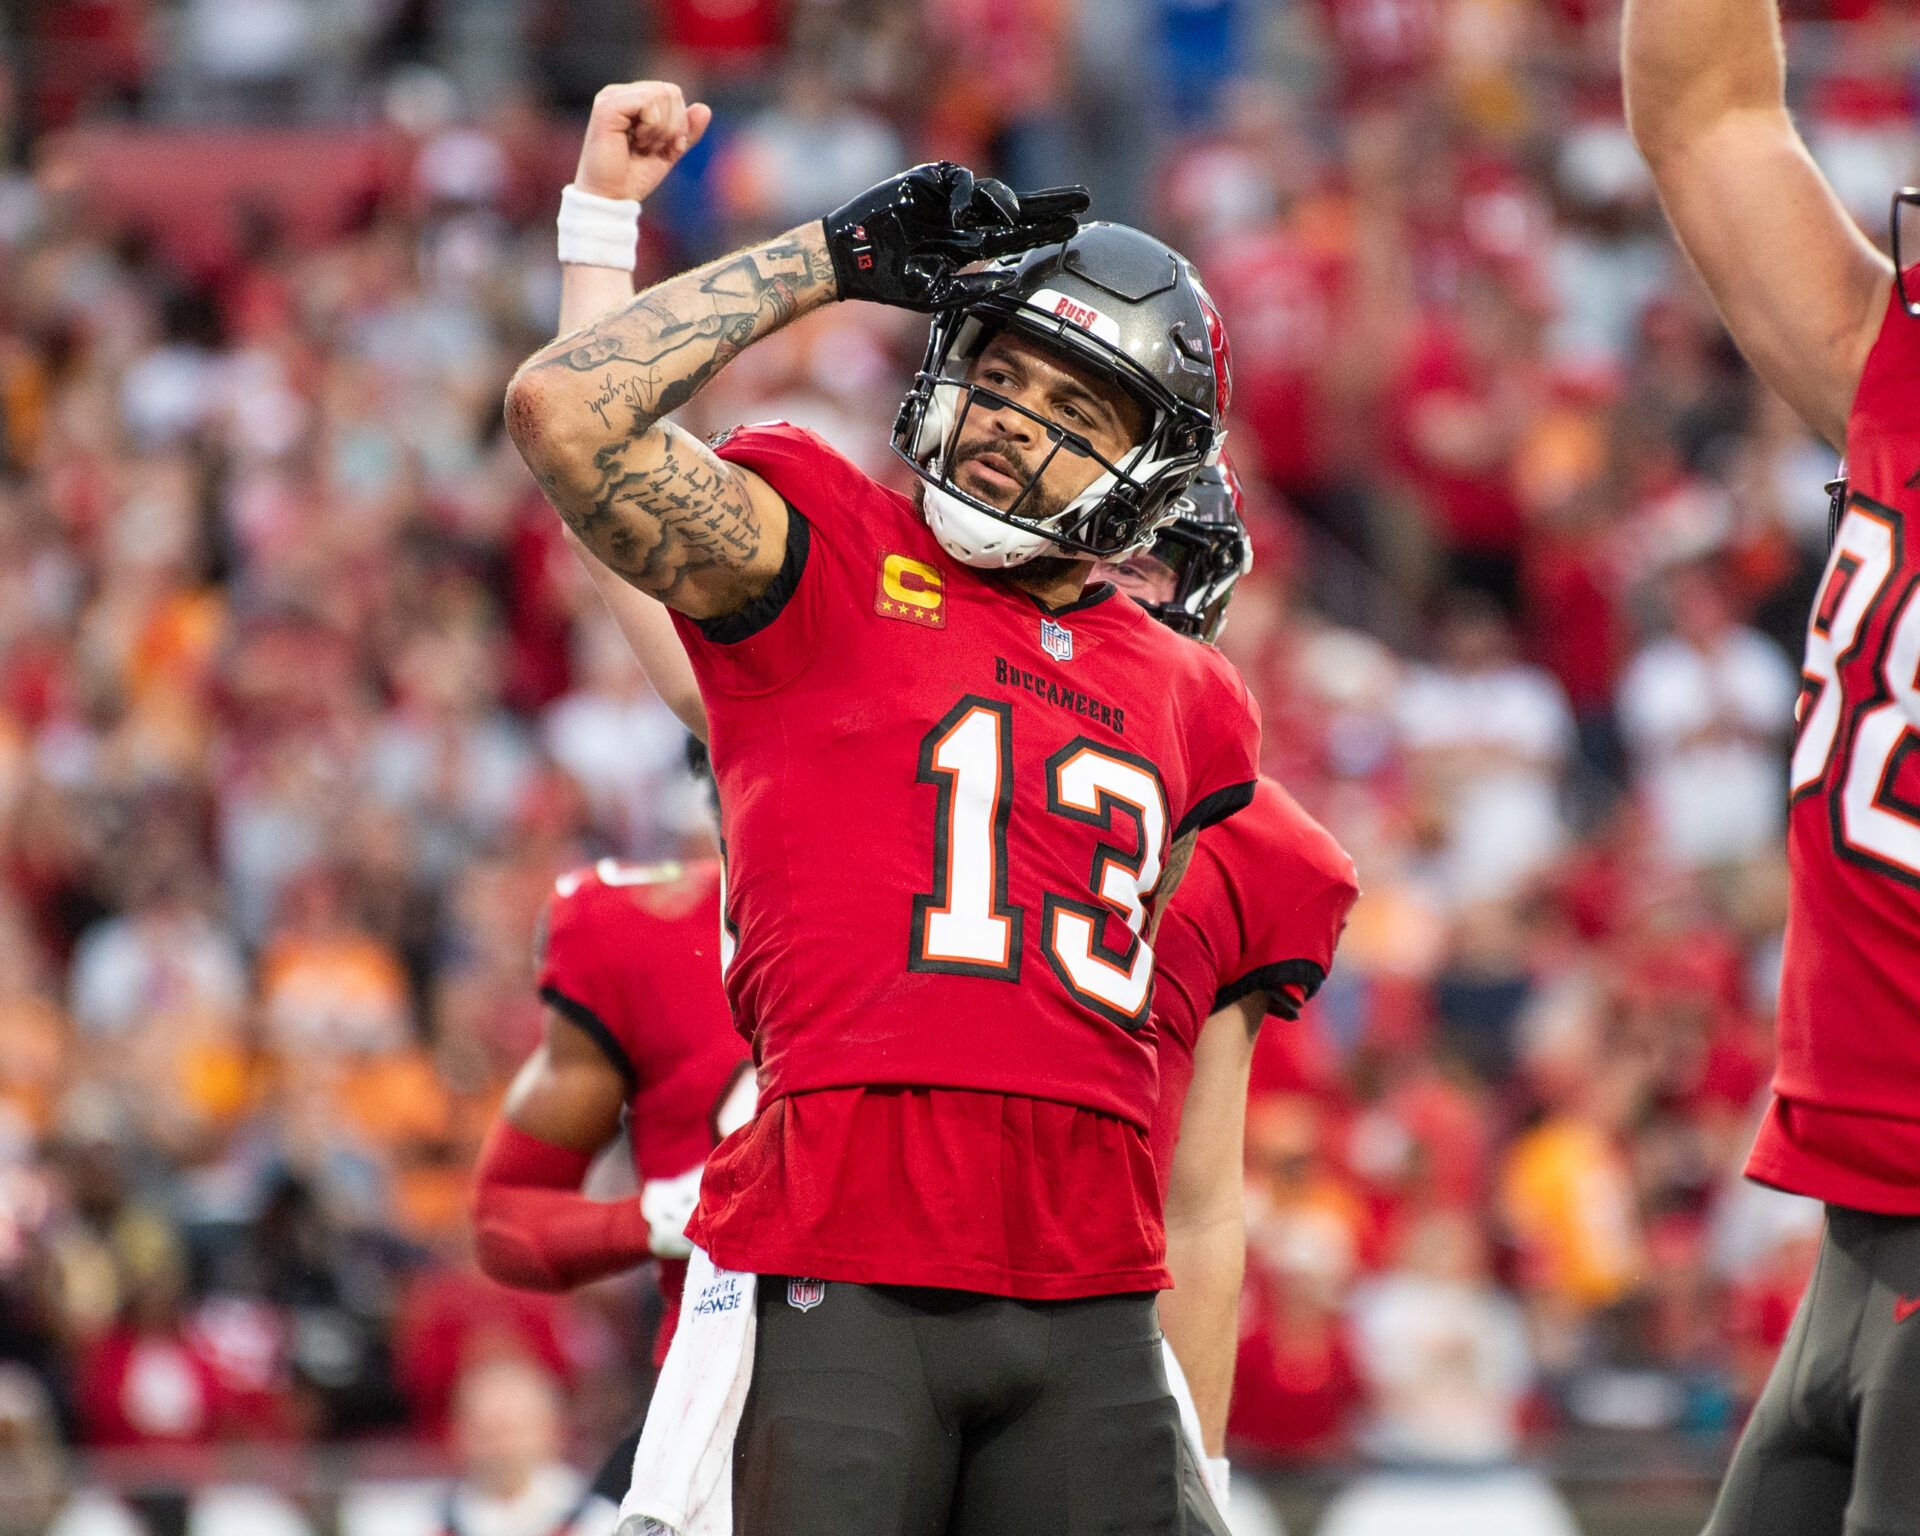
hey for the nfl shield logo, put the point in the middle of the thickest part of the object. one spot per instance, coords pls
(805, 1295)
(1056, 640)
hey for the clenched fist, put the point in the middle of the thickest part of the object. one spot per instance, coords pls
(636, 133)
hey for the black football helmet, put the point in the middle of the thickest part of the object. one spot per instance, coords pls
(1134, 310)
(1207, 549)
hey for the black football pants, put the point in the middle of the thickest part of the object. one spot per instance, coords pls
(898, 1411)
(1833, 1447)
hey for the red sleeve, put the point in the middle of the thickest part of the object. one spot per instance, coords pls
(1230, 759)
(580, 975)
(1292, 887)
(533, 1228)
(766, 645)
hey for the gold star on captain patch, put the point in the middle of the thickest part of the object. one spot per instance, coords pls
(912, 590)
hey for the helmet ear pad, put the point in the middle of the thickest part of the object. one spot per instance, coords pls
(937, 422)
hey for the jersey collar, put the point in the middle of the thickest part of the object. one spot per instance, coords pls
(1098, 593)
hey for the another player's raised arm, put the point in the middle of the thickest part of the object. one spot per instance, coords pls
(648, 630)
(1800, 288)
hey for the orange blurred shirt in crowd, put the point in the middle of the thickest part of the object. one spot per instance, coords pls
(340, 990)
(1567, 1196)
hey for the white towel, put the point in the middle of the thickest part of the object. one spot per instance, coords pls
(1215, 1471)
(683, 1467)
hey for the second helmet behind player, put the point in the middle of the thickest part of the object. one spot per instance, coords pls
(1131, 309)
(1207, 551)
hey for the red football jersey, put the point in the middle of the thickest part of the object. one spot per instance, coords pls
(632, 955)
(947, 809)
(1260, 910)
(1844, 1124)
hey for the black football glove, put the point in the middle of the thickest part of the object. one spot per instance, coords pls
(904, 241)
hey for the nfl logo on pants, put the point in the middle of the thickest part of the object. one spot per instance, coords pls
(805, 1295)
(1056, 640)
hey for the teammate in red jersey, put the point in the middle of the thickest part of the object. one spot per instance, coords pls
(956, 784)
(1250, 933)
(637, 1034)
(1821, 316)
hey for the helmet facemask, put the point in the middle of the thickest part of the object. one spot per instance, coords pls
(1205, 551)
(1127, 501)
(1206, 563)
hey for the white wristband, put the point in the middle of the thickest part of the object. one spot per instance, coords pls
(598, 231)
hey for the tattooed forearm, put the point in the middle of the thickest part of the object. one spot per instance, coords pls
(588, 415)
(722, 307)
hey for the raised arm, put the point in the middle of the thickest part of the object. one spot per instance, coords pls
(1800, 288)
(649, 500)
(609, 168)
(588, 412)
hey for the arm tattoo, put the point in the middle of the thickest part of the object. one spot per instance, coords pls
(685, 330)
(1178, 858)
(657, 513)
(650, 500)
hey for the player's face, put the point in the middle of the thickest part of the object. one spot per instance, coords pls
(1142, 575)
(999, 448)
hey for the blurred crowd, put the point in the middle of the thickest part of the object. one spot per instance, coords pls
(303, 702)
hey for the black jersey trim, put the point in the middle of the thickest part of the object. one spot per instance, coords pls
(1099, 592)
(1215, 808)
(1274, 980)
(588, 1022)
(745, 623)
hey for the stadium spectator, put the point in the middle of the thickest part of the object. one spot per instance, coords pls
(1448, 1359)
(1487, 737)
(507, 1435)
(303, 705)
(1705, 710)
(37, 1486)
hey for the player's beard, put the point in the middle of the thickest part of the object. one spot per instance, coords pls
(1041, 571)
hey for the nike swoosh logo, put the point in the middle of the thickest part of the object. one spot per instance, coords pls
(1904, 1307)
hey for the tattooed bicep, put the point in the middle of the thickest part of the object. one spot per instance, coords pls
(670, 516)
(1178, 858)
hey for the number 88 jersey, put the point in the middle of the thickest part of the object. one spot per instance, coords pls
(1844, 1124)
(949, 809)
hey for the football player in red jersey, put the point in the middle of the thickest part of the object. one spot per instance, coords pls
(1826, 322)
(1251, 932)
(953, 778)
(637, 1034)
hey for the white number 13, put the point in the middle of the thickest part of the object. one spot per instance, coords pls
(967, 926)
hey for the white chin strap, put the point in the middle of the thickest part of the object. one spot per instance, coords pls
(973, 538)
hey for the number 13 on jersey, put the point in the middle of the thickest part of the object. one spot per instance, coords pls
(967, 926)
